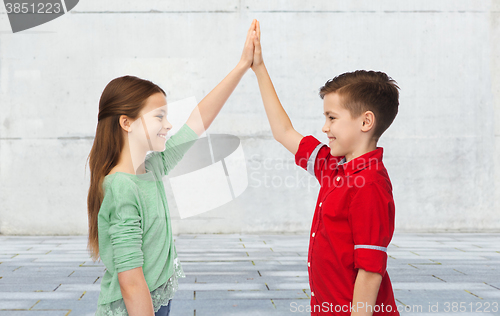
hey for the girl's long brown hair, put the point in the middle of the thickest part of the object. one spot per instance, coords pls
(122, 96)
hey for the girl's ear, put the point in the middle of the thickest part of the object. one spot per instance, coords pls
(125, 123)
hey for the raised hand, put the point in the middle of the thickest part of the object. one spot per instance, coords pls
(281, 126)
(248, 50)
(208, 108)
(257, 54)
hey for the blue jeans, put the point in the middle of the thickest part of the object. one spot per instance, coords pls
(164, 310)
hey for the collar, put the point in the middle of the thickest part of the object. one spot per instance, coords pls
(367, 160)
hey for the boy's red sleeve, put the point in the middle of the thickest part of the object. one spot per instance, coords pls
(371, 217)
(314, 156)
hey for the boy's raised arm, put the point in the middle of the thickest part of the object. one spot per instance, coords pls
(281, 126)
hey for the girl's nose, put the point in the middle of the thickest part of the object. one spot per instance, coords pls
(167, 125)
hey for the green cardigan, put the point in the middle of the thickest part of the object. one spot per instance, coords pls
(134, 221)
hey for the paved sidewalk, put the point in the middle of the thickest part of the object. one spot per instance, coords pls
(432, 274)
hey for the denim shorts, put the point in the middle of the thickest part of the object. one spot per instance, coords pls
(164, 310)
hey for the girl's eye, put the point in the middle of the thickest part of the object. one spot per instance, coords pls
(160, 116)
(331, 118)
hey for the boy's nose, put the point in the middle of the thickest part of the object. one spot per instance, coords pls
(325, 128)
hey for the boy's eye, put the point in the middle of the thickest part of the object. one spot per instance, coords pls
(331, 118)
(160, 116)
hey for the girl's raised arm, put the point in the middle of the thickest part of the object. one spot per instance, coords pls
(209, 107)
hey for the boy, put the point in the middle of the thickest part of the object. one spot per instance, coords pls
(354, 217)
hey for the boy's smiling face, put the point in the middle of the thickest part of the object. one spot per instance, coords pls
(344, 132)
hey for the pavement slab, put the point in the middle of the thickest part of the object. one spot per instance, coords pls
(243, 274)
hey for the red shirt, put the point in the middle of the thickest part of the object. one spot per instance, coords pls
(352, 226)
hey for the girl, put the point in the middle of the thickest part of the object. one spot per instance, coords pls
(129, 222)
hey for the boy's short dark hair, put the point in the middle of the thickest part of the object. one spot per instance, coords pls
(362, 91)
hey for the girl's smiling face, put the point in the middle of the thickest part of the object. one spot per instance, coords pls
(152, 123)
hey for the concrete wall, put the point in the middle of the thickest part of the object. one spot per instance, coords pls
(442, 152)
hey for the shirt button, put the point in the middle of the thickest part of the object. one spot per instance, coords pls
(308, 264)
(338, 178)
(320, 204)
(312, 293)
(314, 234)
